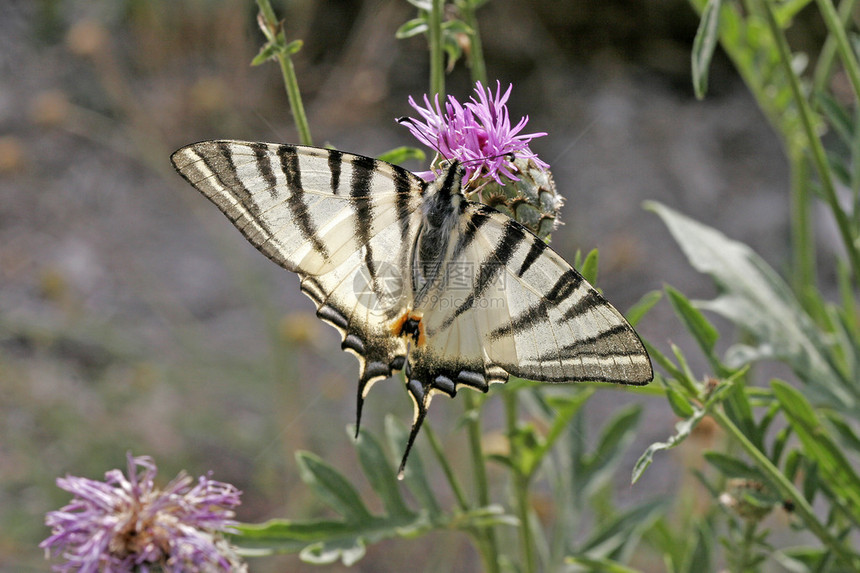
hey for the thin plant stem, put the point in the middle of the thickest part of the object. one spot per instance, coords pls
(828, 51)
(288, 71)
(473, 428)
(802, 238)
(446, 467)
(520, 485)
(295, 97)
(746, 546)
(816, 147)
(786, 489)
(437, 53)
(476, 50)
(846, 53)
(268, 13)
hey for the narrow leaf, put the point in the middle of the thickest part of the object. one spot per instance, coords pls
(756, 299)
(646, 303)
(411, 28)
(414, 475)
(682, 430)
(680, 406)
(599, 565)
(332, 487)
(819, 446)
(704, 45)
(588, 270)
(403, 153)
(699, 326)
(381, 474)
(731, 466)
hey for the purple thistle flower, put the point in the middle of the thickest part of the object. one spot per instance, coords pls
(127, 524)
(477, 133)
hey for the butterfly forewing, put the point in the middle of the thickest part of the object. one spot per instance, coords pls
(343, 222)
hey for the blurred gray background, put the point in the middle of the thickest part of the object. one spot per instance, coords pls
(133, 316)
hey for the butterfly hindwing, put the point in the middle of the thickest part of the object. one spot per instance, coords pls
(508, 303)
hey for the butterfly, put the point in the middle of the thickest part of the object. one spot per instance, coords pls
(415, 277)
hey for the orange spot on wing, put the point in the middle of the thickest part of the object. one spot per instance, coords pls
(400, 326)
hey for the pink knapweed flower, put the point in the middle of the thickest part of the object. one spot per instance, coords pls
(126, 523)
(477, 133)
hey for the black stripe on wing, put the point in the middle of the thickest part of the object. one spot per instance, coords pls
(296, 201)
(535, 251)
(264, 166)
(335, 161)
(244, 213)
(566, 285)
(491, 267)
(362, 175)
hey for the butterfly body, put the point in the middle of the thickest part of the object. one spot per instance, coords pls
(415, 277)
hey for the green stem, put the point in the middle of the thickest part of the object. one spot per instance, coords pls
(473, 428)
(437, 53)
(476, 50)
(802, 239)
(746, 546)
(268, 13)
(816, 147)
(520, 485)
(828, 51)
(271, 30)
(295, 97)
(846, 53)
(787, 490)
(446, 467)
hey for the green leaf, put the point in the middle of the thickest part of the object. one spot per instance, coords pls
(332, 487)
(293, 47)
(588, 270)
(757, 300)
(425, 5)
(703, 46)
(646, 303)
(599, 565)
(680, 405)
(682, 430)
(381, 474)
(846, 432)
(819, 447)
(837, 115)
(739, 411)
(411, 28)
(612, 537)
(414, 475)
(404, 153)
(731, 466)
(454, 27)
(663, 361)
(699, 326)
(701, 553)
(326, 541)
(598, 468)
(565, 408)
(267, 52)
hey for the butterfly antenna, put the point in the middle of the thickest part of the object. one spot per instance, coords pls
(410, 121)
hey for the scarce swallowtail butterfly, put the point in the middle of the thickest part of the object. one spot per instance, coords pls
(415, 277)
